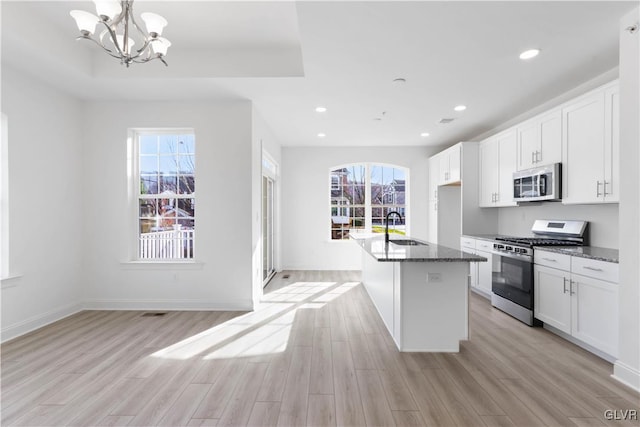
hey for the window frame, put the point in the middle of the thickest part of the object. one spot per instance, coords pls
(135, 195)
(368, 206)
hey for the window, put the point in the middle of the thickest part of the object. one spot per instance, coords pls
(363, 194)
(166, 194)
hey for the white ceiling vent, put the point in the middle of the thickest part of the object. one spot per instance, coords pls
(445, 121)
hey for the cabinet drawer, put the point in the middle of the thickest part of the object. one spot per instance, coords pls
(484, 245)
(596, 269)
(467, 243)
(552, 259)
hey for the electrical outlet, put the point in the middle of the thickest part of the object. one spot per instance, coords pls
(434, 277)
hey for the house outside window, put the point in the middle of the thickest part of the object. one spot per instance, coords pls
(363, 194)
(166, 208)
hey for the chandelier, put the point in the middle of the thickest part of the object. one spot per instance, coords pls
(121, 32)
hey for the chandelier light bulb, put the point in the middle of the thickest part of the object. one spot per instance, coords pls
(120, 40)
(108, 8)
(160, 46)
(85, 21)
(154, 22)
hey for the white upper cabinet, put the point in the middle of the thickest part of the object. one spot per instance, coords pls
(497, 164)
(590, 147)
(488, 172)
(540, 140)
(434, 177)
(449, 165)
(612, 144)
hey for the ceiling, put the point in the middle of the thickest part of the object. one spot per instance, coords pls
(290, 57)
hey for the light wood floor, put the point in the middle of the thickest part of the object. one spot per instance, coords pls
(315, 353)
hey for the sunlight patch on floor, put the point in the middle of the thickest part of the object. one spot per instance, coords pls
(266, 330)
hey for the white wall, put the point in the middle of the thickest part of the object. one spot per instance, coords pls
(627, 367)
(603, 220)
(306, 240)
(46, 209)
(225, 199)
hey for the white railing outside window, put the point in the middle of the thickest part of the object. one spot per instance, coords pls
(169, 244)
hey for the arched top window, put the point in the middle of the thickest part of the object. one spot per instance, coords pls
(361, 196)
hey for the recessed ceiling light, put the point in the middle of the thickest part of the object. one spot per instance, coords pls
(528, 54)
(321, 109)
(460, 108)
(424, 134)
(322, 135)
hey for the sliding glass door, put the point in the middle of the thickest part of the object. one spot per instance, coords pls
(268, 269)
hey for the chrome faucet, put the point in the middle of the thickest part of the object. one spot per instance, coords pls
(386, 228)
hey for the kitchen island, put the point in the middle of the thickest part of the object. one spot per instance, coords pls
(420, 290)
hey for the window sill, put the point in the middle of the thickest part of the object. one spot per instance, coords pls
(162, 265)
(10, 281)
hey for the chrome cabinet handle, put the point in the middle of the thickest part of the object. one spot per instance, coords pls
(571, 292)
(538, 159)
(591, 268)
(598, 184)
(550, 259)
(564, 285)
(604, 188)
(533, 157)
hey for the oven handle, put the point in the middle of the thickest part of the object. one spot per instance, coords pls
(525, 258)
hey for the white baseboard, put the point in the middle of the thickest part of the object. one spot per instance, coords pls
(171, 305)
(601, 354)
(17, 329)
(627, 375)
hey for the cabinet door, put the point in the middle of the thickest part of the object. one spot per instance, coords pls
(594, 307)
(484, 272)
(454, 163)
(473, 271)
(433, 221)
(507, 166)
(434, 176)
(552, 298)
(528, 144)
(488, 172)
(550, 132)
(583, 150)
(443, 177)
(612, 145)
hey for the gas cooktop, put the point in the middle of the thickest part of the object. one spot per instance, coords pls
(538, 241)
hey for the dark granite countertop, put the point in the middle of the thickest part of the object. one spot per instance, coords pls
(375, 245)
(591, 252)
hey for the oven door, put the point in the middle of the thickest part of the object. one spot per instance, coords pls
(512, 278)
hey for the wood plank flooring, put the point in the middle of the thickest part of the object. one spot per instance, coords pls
(314, 353)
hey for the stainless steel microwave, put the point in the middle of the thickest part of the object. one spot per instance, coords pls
(538, 184)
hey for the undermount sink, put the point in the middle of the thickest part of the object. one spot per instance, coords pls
(407, 242)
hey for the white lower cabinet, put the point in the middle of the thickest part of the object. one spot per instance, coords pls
(594, 313)
(552, 301)
(479, 272)
(484, 272)
(584, 307)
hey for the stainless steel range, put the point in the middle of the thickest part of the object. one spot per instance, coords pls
(512, 269)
